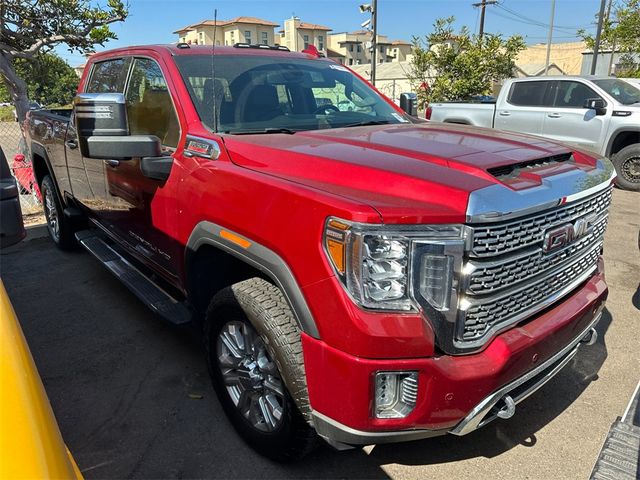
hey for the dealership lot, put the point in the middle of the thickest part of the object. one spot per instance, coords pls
(133, 398)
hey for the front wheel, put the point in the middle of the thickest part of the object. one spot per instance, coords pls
(251, 337)
(59, 229)
(627, 163)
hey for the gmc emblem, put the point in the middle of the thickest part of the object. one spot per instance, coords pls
(566, 234)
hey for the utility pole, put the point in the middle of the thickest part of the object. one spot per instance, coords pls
(549, 37)
(596, 47)
(374, 42)
(483, 5)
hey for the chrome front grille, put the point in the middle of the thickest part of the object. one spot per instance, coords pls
(488, 277)
(497, 239)
(507, 275)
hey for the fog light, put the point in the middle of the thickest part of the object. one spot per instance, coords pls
(396, 394)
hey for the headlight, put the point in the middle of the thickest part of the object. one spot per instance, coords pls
(378, 264)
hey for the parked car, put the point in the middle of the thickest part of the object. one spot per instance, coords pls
(354, 275)
(11, 225)
(599, 114)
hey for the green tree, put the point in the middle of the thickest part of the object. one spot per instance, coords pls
(621, 33)
(29, 27)
(451, 66)
(50, 80)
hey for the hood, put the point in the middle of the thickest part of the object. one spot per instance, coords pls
(408, 173)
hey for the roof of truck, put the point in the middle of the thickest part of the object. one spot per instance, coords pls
(185, 49)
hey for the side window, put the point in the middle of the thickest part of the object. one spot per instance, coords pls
(149, 106)
(573, 94)
(108, 76)
(528, 94)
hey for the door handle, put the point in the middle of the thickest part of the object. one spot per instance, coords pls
(71, 144)
(554, 115)
(505, 113)
(113, 163)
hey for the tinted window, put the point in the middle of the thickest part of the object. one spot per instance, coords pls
(528, 94)
(149, 106)
(573, 94)
(109, 76)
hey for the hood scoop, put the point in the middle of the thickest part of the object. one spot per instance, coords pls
(507, 172)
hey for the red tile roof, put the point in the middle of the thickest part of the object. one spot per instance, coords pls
(221, 23)
(313, 26)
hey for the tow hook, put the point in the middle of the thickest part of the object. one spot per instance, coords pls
(590, 338)
(508, 409)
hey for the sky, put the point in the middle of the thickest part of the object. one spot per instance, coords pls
(153, 21)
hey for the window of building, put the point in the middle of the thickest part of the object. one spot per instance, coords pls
(201, 37)
(320, 42)
(358, 62)
(247, 36)
(359, 48)
(351, 61)
(150, 110)
(232, 37)
(351, 47)
(265, 38)
(306, 41)
(381, 49)
(109, 76)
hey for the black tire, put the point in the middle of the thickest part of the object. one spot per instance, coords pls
(627, 163)
(58, 226)
(259, 305)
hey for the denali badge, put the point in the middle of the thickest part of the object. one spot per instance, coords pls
(564, 235)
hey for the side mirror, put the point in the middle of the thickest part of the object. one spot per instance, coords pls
(103, 129)
(596, 104)
(409, 103)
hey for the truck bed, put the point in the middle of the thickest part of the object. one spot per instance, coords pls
(478, 114)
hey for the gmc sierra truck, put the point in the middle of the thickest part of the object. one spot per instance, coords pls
(355, 275)
(599, 114)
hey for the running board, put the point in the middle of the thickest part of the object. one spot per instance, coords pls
(151, 294)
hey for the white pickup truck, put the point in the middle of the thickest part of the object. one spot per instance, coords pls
(600, 114)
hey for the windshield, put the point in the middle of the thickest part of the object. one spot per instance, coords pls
(266, 94)
(623, 92)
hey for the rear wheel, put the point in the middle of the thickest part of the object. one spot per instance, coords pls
(627, 163)
(59, 229)
(251, 339)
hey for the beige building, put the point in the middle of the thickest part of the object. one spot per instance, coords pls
(298, 35)
(400, 51)
(229, 32)
(354, 48)
(567, 57)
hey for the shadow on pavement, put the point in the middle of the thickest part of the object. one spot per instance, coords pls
(635, 300)
(133, 398)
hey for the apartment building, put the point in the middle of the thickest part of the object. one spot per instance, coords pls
(298, 35)
(354, 48)
(229, 32)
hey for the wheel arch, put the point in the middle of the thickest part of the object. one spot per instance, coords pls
(42, 167)
(217, 257)
(621, 138)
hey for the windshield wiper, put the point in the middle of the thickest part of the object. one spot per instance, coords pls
(288, 131)
(366, 123)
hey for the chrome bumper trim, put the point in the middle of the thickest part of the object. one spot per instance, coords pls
(481, 414)
(343, 437)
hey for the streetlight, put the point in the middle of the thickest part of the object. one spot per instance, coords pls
(372, 8)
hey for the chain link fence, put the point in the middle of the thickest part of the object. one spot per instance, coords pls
(14, 148)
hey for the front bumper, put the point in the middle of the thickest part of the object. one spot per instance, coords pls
(457, 394)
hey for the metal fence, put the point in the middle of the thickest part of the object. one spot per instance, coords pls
(13, 144)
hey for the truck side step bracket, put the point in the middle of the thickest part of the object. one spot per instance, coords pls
(151, 294)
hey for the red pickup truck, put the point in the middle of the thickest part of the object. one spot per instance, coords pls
(356, 275)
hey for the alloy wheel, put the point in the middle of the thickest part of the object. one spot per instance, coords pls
(51, 214)
(631, 169)
(250, 376)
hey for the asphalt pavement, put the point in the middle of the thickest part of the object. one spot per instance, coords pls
(133, 398)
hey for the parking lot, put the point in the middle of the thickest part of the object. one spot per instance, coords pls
(133, 399)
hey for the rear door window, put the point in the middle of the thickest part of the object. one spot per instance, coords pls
(109, 76)
(529, 94)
